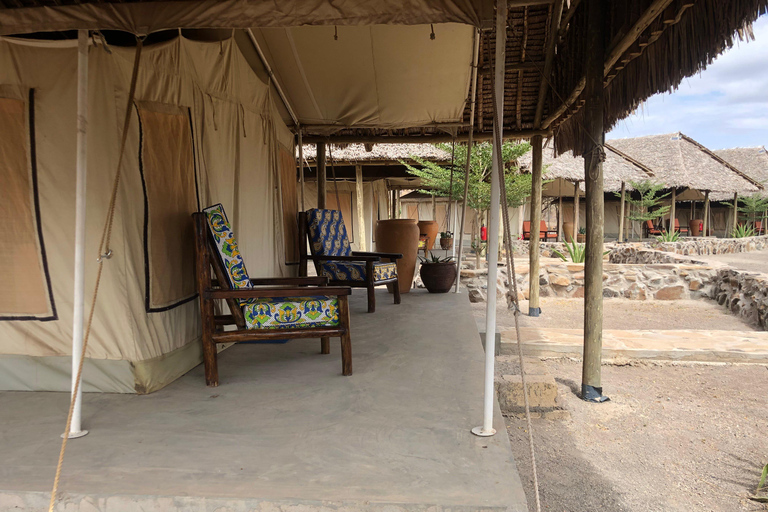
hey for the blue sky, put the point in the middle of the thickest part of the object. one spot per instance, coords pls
(725, 106)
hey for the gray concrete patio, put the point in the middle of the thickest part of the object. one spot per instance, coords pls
(284, 428)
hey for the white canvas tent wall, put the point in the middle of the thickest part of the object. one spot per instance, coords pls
(237, 137)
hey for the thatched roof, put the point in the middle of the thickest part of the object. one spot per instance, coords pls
(751, 161)
(617, 168)
(388, 153)
(651, 46)
(679, 161)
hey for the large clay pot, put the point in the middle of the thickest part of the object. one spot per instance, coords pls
(399, 236)
(438, 277)
(429, 228)
(446, 244)
(568, 231)
(695, 227)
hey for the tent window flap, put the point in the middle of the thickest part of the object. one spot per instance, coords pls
(166, 163)
(24, 279)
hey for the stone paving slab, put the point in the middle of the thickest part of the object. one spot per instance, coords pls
(688, 345)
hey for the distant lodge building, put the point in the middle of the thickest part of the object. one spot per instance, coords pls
(696, 174)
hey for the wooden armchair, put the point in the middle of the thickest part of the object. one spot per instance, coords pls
(334, 258)
(547, 234)
(262, 309)
(651, 229)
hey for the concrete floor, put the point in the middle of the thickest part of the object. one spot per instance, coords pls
(284, 428)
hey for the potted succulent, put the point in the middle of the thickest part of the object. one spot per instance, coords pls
(446, 240)
(582, 236)
(438, 274)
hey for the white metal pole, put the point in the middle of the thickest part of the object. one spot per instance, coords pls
(493, 226)
(301, 168)
(82, 155)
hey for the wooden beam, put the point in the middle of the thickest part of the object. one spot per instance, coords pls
(519, 101)
(591, 383)
(672, 212)
(321, 181)
(420, 139)
(557, 13)
(533, 244)
(360, 193)
(513, 4)
(621, 212)
(576, 208)
(567, 18)
(706, 213)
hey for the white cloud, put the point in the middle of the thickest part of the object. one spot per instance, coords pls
(724, 106)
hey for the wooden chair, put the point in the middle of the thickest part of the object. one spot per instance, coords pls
(262, 309)
(526, 230)
(758, 227)
(546, 233)
(651, 229)
(334, 258)
(683, 230)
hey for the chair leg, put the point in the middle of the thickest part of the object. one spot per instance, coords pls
(396, 286)
(371, 298)
(325, 345)
(346, 354)
(210, 360)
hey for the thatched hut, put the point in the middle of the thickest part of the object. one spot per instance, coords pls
(751, 161)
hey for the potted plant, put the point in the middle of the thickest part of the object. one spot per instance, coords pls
(446, 240)
(582, 236)
(438, 274)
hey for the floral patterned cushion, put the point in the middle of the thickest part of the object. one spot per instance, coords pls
(355, 270)
(225, 241)
(291, 312)
(327, 233)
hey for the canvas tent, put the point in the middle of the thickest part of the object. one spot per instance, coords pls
(205, 129)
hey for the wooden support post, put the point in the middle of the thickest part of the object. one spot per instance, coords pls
(560, 219)
(621, 211)
(734, 216)
(533, 250)
(706, 213)
(434, 208)
(575, 211)
(362, 244)
(321, 183)
(672, 212)
(591, 384)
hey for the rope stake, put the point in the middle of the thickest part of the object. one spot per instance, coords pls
(104, 253)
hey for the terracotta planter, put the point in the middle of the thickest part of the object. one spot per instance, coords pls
(429, 228)
(694, 227)
(568, 231)
(399, 236)
(438, 277)
(446, 243)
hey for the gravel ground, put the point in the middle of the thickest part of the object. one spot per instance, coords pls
(756, 261)
(673, 438)
(621, 314)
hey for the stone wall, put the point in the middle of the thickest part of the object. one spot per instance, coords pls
(744, 294)
(635, 282)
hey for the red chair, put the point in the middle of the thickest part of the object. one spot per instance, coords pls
(547, 234)
(526, 230)
(758, 227)
(651, 229)
(682, 231)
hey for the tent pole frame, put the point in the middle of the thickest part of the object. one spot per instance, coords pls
(493, 226)
(533, 240)
(76, 429)
(467, 165)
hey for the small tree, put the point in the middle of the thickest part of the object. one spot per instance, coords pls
(436, 179)
(752, 206)
(646, 207)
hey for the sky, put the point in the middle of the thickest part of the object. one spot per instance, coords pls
(725, 106)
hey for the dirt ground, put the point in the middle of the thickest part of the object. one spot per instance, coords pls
(673, 437)
(621, 314)
(756, 261)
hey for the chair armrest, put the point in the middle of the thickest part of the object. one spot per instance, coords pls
(290, 281)
(345, 258)
(390, 255)
(258, 293)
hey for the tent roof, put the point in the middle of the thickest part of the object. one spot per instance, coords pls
(679, 161)
(373, 84)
